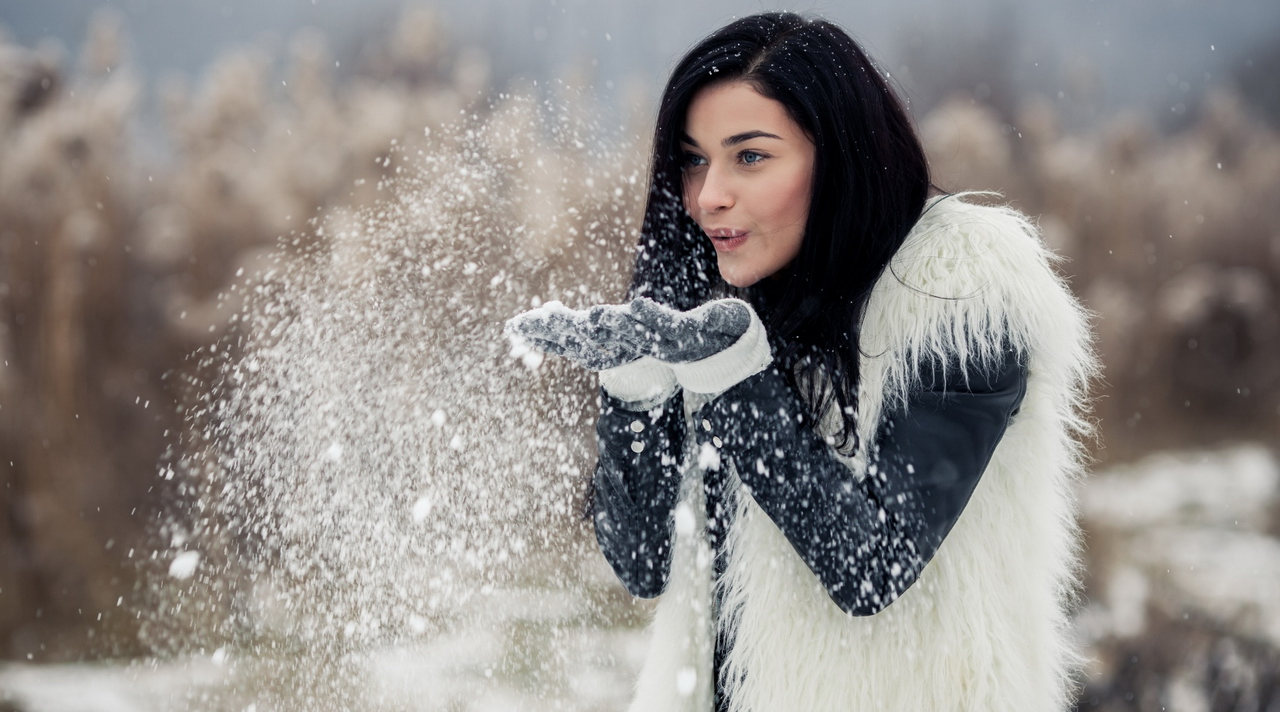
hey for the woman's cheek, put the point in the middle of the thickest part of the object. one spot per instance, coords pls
(690, 187)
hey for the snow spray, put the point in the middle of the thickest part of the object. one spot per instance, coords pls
(378, 504)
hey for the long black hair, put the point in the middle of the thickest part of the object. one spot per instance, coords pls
(870, 183)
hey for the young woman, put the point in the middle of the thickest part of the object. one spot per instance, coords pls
(838, 423)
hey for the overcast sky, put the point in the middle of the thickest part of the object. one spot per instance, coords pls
(1145, 53)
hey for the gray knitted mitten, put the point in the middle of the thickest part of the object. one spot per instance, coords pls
(652, 329)
(556, 329)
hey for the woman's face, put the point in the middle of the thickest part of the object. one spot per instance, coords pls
(748, 173)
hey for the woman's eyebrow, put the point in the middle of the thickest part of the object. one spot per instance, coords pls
(746, 136)
(732, 140)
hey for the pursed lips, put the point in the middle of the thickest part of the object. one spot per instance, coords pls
(727, 238)
(725, 233)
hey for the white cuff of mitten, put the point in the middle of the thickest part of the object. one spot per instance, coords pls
(645, 380)
(719, 372)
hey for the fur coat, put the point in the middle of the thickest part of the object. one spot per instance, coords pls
(985, 628)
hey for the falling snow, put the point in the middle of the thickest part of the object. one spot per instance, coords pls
(375, 477)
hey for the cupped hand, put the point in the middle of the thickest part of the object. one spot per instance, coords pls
(556, 329)
(652, 329)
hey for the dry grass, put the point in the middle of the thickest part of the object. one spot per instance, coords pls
(1173, 241)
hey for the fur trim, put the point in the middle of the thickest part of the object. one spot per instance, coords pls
(642, 384)
(985, 626)
(719, 372)
(677, 674)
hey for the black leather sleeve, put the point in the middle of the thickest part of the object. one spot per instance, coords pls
(866, 539)
(637, 483)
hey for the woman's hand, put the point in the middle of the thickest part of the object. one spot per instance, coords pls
(652, 329)
(556, 329)
(705, 350)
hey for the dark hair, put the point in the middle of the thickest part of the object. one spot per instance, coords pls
(870, 184)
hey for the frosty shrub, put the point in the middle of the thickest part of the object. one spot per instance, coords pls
(1172, 241)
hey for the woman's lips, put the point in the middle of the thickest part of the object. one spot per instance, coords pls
(726, 239)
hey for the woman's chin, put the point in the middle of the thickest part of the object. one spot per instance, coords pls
(739, 279)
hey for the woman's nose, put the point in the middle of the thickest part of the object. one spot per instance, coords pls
(715, 193)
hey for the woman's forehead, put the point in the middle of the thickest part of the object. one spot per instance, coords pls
(735, 109)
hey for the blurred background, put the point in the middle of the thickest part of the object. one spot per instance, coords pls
(152, 151)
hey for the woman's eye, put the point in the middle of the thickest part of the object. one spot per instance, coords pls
(693, 160)
(750, 157)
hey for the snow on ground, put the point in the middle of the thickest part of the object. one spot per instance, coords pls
(529, 649)
(1173, 534)
(1186, 532)
(136, 686)
(1233, 488)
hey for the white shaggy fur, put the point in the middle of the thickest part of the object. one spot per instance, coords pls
(984, 629)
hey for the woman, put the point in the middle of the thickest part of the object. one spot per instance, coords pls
(838, 414)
